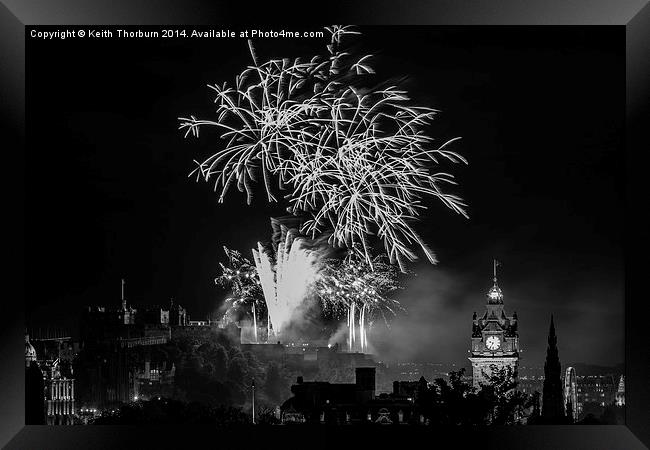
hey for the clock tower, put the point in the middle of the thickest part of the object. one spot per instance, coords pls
(495, 339)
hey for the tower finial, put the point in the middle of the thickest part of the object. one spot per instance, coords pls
(494, 294)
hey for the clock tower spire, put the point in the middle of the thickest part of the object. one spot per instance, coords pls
(495, 339)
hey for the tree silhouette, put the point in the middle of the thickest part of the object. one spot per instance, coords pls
(457, 402)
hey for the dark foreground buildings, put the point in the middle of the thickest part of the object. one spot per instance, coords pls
(352, 403)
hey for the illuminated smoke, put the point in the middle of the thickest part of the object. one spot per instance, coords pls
(359, 162)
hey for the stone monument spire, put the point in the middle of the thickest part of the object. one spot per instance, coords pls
(552, 398)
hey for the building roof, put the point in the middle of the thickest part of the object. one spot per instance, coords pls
(30, 351)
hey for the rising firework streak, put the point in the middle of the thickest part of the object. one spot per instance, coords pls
(287, 278)
(361, 292)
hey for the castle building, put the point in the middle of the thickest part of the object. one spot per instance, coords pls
(178, 316)
(108, 336)
(495, 339)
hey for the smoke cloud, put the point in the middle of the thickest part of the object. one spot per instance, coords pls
(587, 304)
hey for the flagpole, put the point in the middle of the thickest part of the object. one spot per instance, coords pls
(253, 389)
(495, 263)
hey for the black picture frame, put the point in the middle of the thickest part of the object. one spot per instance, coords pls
(634, 15)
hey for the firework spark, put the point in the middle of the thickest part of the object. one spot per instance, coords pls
(240, 276)
(357, 161)
(360, 291)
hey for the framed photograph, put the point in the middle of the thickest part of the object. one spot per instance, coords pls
(244, 227)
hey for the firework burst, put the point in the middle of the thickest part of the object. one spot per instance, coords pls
(353, 281)
(360, 291)
(357, 161)
(240, 276)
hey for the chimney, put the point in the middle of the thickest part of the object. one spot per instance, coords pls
(365, 379)
(365, 384)
(300, 379)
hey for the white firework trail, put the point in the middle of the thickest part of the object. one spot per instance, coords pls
(360, 291)
(287, 279)
(358, 162)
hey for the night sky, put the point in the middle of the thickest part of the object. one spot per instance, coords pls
(541, 115)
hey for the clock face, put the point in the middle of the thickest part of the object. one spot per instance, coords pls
(493, 342)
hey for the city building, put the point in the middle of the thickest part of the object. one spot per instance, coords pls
(30, 352)
(347, 403)
(413, 371)
(595, 392)
(59, 393)
(410, 389)
(620, 392)
(529, 384)
(495, 338)
(34, 387)
(49, 386)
